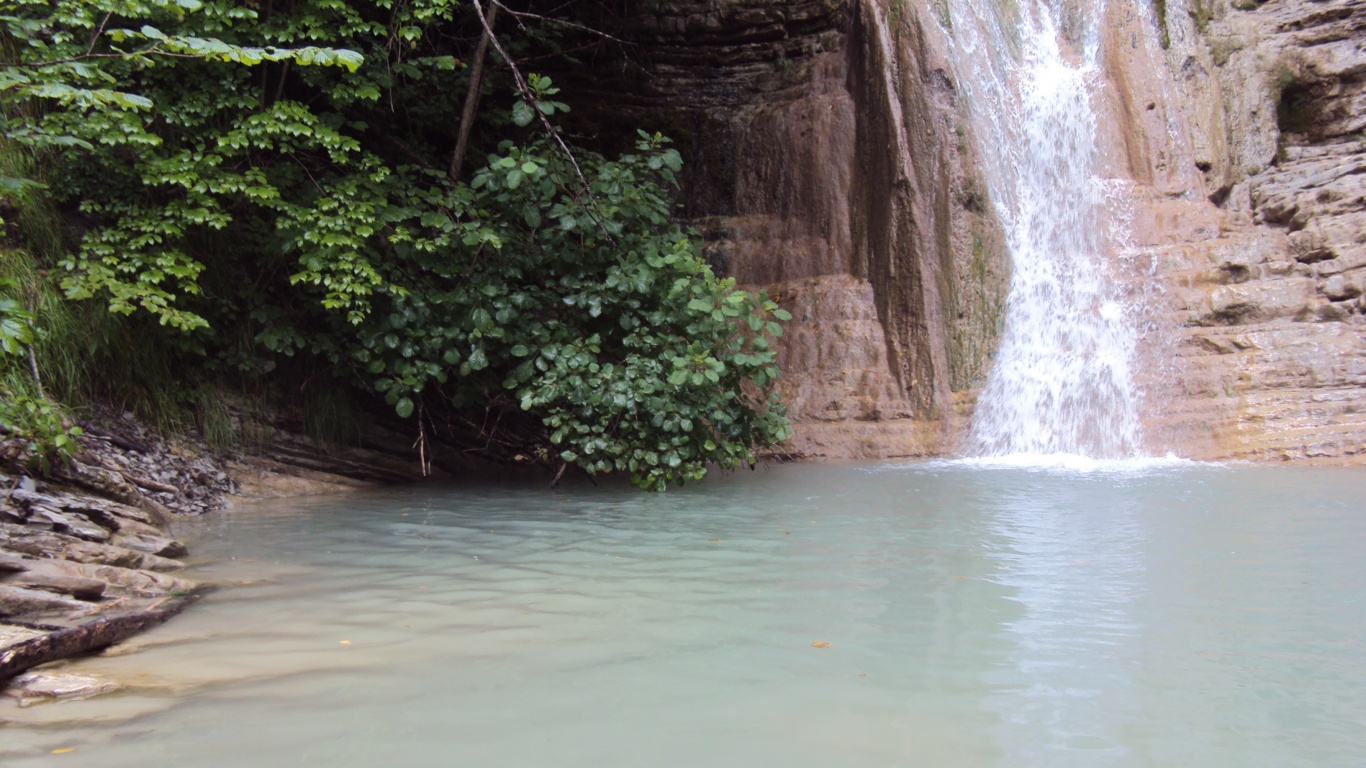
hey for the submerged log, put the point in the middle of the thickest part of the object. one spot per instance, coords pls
(84, 638)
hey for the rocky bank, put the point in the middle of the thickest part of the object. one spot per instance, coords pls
(1267, 298)
(88, 557)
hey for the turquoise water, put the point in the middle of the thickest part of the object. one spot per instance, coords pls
(1179, 615)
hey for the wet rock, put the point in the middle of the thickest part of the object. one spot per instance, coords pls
(1274, 96)
(150, 543)
(38, 543)
(76, 525)
(130, 581)
(1258, 301)
(52, 579)
(1309, 246)
(1332, 313)
(33, 687)
(18, 601)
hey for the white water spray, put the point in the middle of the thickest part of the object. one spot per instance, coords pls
(1062, 382)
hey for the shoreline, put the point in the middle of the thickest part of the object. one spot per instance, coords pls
(86, 558)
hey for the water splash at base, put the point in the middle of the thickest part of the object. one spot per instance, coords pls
(1072, 463)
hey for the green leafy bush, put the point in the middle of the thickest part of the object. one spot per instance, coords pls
(35, 432)
(270, 188)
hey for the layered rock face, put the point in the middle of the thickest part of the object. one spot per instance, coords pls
(79, 573)
(831, 162)
(1265, 281)
(827, 165)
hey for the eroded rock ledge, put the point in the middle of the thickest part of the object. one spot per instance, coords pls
(86, 557)
(79, 572)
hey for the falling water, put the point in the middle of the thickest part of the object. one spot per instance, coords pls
(1062, 382)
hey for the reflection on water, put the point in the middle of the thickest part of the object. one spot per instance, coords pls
(1074, 560)
(1169, 615)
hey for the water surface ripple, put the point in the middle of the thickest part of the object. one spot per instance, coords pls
(976, 616)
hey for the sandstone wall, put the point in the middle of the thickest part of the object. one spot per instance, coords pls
(831, 163)
(1264, 277)
(828, 164)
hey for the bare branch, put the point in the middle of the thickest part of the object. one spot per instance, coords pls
(462, 142)
(154, 50)
(530, 99)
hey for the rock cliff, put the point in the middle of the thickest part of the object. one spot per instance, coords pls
(1264, 280)
(831, 164)
(828, 166)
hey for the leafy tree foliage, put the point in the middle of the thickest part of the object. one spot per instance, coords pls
(267, 180)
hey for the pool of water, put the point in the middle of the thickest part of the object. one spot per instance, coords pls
(975, 615)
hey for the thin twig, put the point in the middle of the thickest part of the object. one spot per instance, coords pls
(95, 38)
(154, 50)
(280, 87)
(561, 22)
(421, 443)
(33, 367)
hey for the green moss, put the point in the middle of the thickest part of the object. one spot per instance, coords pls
(1222, 50)
(1202, 12)
(978, 311)
(1164, 35)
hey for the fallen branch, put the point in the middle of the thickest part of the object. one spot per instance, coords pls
(86, 637)
(561, 23)
(117, 440)
(152, 485)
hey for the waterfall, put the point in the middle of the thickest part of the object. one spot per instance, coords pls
(1062, 383)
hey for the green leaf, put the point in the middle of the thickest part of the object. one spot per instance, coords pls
(478, 360)
(404, 407)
